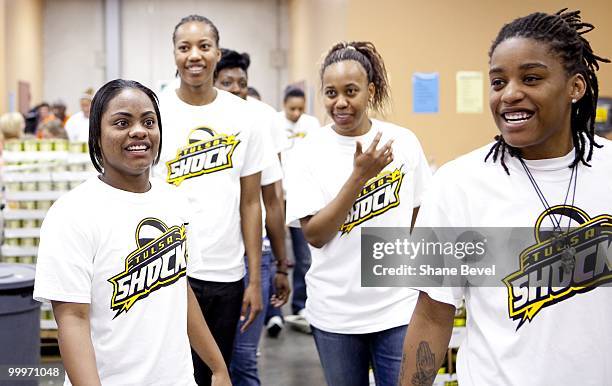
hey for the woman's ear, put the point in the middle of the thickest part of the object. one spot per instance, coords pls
(577, 87)
(371, 92)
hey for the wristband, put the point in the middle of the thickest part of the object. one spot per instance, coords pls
(283, 273)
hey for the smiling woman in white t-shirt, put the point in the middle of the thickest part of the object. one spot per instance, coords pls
(213, 155)
(113, 256)
(339, 170)
(545, 167)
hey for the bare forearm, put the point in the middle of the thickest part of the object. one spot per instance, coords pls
(250, 214)
(323, 226)
(275, 224)
(250, 223)
(426, 341)
(200, 337)
(76, 347)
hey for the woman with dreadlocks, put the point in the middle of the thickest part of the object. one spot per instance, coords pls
(545, 167)
(373, 174)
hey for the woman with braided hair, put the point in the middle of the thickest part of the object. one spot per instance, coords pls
(545, 167)
(373, 174)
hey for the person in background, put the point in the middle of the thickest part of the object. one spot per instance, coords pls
(355, 327)
(215, 133)
(52, 129)
(12, 126)
(77, 126)
(36, 116)
(231, 74)
(296, 124)
(58, 110)
(546, 167)
(253, 93)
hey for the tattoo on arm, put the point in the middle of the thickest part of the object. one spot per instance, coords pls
(425, 366)
(403, 367)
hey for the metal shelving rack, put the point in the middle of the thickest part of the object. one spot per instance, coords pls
(34, 174)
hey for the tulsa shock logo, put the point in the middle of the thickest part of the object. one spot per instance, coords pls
(545, 277)
(207, 152)
(379, 195)
(159, 261)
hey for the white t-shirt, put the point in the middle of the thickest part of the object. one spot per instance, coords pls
(566, 342)
(268, 131)
(77, 127)
(124, 254)
(295, 132)
(277, 134)
(273, 172)
(336, 301)
(205, 151)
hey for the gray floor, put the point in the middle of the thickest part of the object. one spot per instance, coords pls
(289, 360)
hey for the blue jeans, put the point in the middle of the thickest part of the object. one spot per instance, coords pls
(346, 358)
(301, 252)
(272, 311)
(243, 367)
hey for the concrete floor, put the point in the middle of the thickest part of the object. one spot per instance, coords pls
(289, 360)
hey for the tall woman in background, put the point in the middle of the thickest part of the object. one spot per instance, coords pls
(353, 326)
(213, 155)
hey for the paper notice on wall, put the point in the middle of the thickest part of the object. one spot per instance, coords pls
(425, 92)
(601, 114)
(469, 91)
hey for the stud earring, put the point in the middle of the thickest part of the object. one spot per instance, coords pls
(574, 100)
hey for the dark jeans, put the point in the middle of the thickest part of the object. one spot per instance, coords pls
(243, 369)
(346, 358)
(301, 252)
(220, 304)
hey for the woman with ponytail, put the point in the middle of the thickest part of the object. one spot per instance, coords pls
(373, 174)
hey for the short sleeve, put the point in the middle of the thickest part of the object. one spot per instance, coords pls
(259, 151)
(435, 212)
(272, 173)
(305, 195)
(64, 268)
(448, 295)
(422, 175)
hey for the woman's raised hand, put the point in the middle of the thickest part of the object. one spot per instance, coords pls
(368, 164)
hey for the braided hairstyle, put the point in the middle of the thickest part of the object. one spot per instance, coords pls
(563, 33)
(365, 54)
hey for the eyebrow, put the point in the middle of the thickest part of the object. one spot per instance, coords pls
(524, 66)
(204, 40)
(126, 114)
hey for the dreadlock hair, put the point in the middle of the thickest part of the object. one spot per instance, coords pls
(563, 33)
(365, 54)
(232, 59)
(200, 19)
